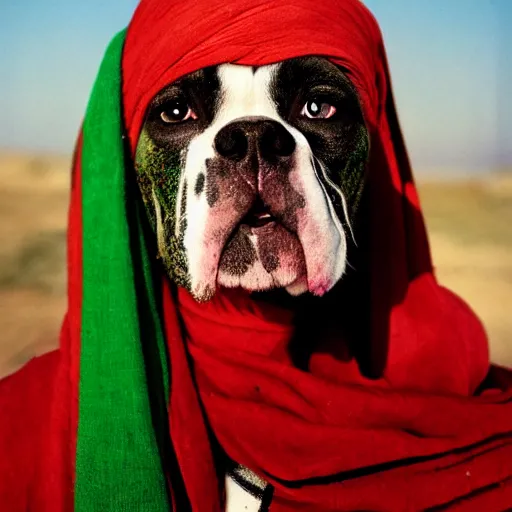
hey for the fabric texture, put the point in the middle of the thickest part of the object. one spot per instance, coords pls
(116, 450)
(396, 408)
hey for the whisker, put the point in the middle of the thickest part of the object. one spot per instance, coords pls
(341, 195)
(178, 207)
(349, 264)
(334, 217)
(159, 226)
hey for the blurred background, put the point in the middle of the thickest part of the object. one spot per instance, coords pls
(451, 64)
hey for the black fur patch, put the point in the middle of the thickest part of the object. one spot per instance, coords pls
(239, 254)
(160, 155)
(340, 143)
(198, 189)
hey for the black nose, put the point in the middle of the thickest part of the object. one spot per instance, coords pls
(241, 139)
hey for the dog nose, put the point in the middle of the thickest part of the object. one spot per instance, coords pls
(267, 138)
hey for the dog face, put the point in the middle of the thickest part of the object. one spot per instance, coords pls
(250, 176)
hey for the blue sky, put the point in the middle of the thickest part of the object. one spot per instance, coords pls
(448, 58)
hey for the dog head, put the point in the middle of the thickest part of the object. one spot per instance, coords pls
(251, 175)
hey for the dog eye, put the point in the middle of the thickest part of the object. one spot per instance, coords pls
(177, 111)
(318, 110)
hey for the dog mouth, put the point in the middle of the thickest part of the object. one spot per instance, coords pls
(260, 253)
(259, 215)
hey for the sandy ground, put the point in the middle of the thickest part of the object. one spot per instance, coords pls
(470, 226)
(470, 229)
(33, 209)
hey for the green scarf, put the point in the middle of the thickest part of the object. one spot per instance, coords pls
(124, 381)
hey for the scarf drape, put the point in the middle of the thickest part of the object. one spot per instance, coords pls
(149, 389)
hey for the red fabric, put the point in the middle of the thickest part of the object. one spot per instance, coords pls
(328, 439)
(25, 399)
(39, 404)
(386, 447)
(423, 434)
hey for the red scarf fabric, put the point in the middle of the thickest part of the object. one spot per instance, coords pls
(432, 430)
(329, 438)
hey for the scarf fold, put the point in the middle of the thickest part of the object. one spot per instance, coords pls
(151, 390)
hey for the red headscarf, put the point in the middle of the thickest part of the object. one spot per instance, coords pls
(426, 431)
(329, 438)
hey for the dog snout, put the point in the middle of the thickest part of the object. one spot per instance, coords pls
(246, 138)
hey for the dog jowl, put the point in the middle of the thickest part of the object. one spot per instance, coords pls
(251, 175)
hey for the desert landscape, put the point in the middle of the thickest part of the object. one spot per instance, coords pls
(469, 221)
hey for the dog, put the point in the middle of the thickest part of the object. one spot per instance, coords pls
(251, 176)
